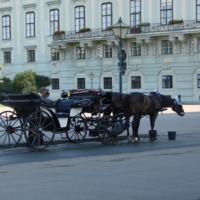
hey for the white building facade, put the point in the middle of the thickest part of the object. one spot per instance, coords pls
(49, 37)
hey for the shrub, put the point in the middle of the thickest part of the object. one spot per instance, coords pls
(173, 21)
(83, 30)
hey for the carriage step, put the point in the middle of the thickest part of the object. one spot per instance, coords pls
(93, 132)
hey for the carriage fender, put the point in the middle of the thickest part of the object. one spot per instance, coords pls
(57, 123)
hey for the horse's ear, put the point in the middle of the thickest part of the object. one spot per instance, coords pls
(178, 99)
(157, 91)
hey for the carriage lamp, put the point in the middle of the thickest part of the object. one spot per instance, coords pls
(120, 31)
(91, 75)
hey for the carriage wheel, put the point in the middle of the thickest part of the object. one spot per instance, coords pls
(106, 129)
(92, 124)
(39, 130)
(77, 129)
(11, 129)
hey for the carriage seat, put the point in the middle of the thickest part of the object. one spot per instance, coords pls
(48, 102)
(63, 106)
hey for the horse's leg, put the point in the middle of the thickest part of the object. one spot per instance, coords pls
(127, 119)
(135, 126)
(152, 124)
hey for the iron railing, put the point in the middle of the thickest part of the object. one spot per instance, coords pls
(152, 28)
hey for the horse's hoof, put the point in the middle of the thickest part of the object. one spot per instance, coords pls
(129, 139)
(136, 139)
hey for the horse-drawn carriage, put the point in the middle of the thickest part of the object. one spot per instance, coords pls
(37, 119)
(101, 114)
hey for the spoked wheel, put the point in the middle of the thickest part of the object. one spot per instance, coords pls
(77, 129)
(39, 130)
(108, 130)
(11, 129)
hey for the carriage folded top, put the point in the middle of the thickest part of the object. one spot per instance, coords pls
(17, 100)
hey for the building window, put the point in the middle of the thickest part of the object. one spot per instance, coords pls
(54, 21)
(106, 16)
(135, 13)
(166, 11)
(135, 49)
(81, 83)
(55, 83)
(6, 27)
(31, 55)
(167, 81)
(198, 10)
(166, 47)
(107, 83)
(135, 82)
(198, 45)
(107, 51)
(7, 57)
(198, 80)
(30, 24)
(79, 18)
(80, 53)
(54, 54)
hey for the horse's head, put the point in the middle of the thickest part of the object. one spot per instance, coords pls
(177, 107)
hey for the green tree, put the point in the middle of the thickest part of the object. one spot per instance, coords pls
(25, 82)
(42, 81)
(6, 85)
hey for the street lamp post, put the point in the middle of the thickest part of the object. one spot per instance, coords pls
(120, 31)
(91, 75)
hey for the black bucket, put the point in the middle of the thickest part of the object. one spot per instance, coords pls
(153, 135)
(172, 135)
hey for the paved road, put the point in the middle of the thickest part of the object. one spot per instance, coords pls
(165, 169)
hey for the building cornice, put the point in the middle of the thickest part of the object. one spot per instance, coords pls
(29, 5)
(6, 9)
(49, 2)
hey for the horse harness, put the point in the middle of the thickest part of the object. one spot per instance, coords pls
(156, 100)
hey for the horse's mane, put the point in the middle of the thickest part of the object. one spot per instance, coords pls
(166, 101)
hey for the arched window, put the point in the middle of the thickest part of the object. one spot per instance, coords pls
(6, 27)
(106, 15)
(54, 21)
(79, 18)
(30, 24)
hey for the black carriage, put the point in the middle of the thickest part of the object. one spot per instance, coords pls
(101, 122)
(38, 119)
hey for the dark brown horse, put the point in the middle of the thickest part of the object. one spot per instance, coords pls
(140, 104)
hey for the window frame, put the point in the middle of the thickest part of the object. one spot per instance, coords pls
(79, 20)
(106, 19)
(135, 49)
(167, 47)
(80, 83)
(136, 84)
(197, 13)
(55, 22)
(30, 27)
(134, 15)
(8, 60)
(107, 82)
(198, 81)
(198, 45)
(6, 28)
(56, 56)
(107, 51)
(30, 55)
(169, 81)
(55, 83)
(80, 53)
(167, 16)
